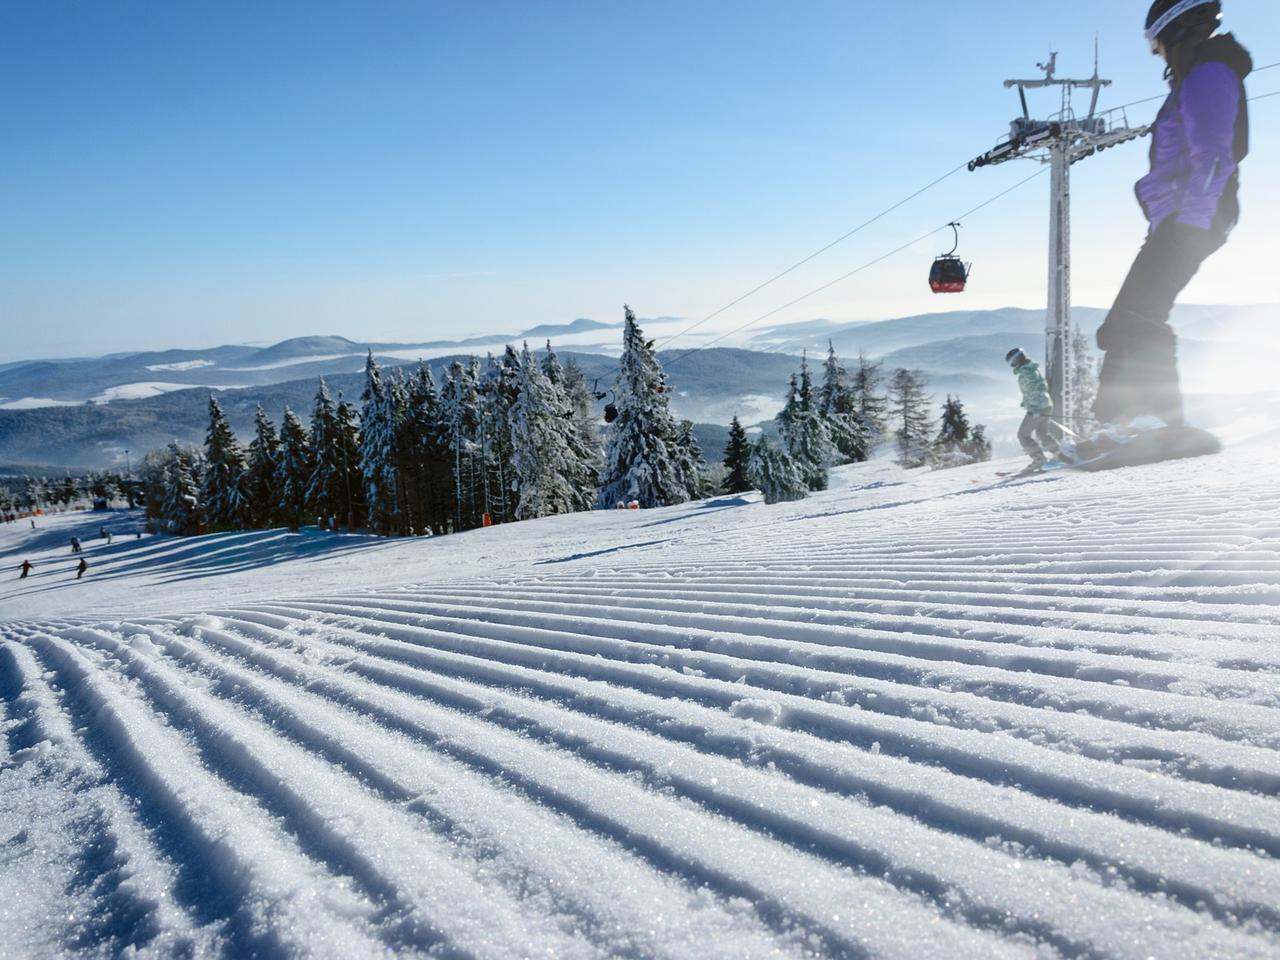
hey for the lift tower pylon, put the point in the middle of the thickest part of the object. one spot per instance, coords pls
(1060, 141)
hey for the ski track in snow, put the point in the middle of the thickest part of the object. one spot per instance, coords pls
(1040, 721)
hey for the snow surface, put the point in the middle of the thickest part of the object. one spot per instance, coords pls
(181, 365)
(917, 715)
(33, 403)
(295, 361)
(148, 388)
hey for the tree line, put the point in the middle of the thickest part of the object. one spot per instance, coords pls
(29, 493)
(513, 439)
(844, 420)
(517, 438)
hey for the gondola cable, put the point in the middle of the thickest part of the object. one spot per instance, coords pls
(817, 253)
(866, 266)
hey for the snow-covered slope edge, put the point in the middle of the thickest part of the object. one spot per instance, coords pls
(924, 715)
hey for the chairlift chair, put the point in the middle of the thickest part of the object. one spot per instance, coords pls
(949, 273)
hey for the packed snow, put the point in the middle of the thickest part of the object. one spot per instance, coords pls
(917, 715)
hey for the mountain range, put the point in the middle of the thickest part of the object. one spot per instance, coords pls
(87, 412)
(133, 376)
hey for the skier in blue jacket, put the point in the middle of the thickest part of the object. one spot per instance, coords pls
(1034, 434)
(1190, 200)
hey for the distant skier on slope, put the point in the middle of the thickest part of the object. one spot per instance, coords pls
(26, 567)
(81, 568)
(1034, 433)
(1190, 200)
(75, 545)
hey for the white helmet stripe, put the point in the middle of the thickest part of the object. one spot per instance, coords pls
(1172, 14)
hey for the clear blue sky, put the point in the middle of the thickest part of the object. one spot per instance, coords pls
(185, 174)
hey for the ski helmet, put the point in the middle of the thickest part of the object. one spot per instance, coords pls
(1015, 357)
(1168, 21)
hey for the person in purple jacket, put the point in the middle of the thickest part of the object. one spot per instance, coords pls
(1190, 199)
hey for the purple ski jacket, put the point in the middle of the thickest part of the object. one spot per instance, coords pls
(1201, 134)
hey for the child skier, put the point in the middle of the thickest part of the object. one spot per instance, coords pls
(1039, 407)
(1190, 200)
(26, 567)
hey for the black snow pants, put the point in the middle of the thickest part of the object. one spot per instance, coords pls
(1140, 367)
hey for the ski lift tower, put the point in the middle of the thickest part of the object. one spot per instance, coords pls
(1060, 141)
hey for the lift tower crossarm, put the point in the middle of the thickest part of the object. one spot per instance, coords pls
(1060, 141)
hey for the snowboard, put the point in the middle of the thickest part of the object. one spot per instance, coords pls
(1112, 452)
(1151, 446)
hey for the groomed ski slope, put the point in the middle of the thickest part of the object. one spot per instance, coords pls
(918, 715)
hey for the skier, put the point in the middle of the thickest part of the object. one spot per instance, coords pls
(81, 568)
(75, 545)
(1190, 200)
(27, 567)
(1039, 406)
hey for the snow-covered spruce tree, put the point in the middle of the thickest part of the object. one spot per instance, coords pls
(978, 447)
(582, 435)
(869, 401)
(954, 429)
(499, 389)
(541, 460)
(804, 431)
(406, 464)
(429, 481)
(737, 456)
(377, 451)
(411, 474)
(773, 472)
(957, 443)
(66, 492)
(295, 470)
(226, 507)
(640, 445)
(838, 407)
(907, 391)
(495, 392)
(262, 475)
(184, 473)
(690, 467)
(325, 486)
(33, 493)
(460, 414)
(151, 473)
(347, 433)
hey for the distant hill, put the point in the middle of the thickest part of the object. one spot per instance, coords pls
(887, 336)
(96, 435)
(34, 383)
(962, 353)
